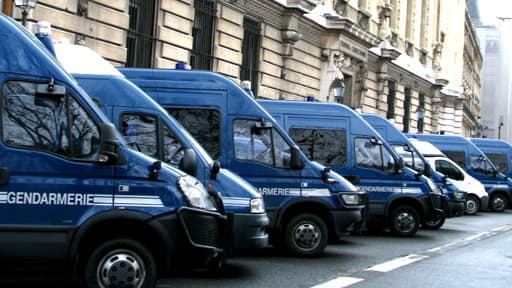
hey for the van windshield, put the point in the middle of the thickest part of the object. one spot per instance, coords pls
(411, 158)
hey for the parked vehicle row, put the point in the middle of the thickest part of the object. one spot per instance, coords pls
(123, 174)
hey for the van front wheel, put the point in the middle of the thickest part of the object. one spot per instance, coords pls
(404, 221)
(120, 263)
(472, 205)
(498, 202)
(306, 235)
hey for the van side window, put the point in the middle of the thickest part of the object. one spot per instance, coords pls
(55, 124)
(411, 158)
(500, 160)
(372, 155)
(203, 124)
(261, 144)
(173, 148)
(449, 170)
(481, 165)
(458, 157)
(326, 146)
(140, 133)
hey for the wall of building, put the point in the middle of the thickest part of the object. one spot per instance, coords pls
(304, 47)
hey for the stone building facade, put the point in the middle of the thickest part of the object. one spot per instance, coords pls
(393, 57)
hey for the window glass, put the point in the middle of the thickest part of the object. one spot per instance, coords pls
(203, 124)
(173, 149)
(372, 155)
(57, 124)
(458, 157)
(449, 170)
(326, 146)
(481, 165)
(261, 144)
(140, 133)
(411, 158)
(500, 160)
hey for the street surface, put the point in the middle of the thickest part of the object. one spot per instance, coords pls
(468, 251)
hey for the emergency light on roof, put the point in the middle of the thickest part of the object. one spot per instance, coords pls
(181, 66)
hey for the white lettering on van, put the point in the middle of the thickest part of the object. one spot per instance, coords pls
(37, 198)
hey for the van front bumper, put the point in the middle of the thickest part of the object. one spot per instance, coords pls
(345, 221)
(249, 231)
(205, 233)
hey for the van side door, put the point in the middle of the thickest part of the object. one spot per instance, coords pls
(50, 147)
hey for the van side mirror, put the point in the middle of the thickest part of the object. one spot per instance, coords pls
(50, 90)
(399, 166)
(188, 163)
(215, 169)
(109, 146)
(296, 162)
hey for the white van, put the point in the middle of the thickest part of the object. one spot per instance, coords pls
(477, 197)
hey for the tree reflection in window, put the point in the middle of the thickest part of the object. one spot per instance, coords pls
(140, 133)
(373, 155)
(56, 124)
(203, 124)
(326, 146)
(500, 160)
(261, 144)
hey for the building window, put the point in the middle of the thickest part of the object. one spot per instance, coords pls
(250, 52)
(390, 114)
(202, 32)
(140, 40)
(421, 104)
(407, 109)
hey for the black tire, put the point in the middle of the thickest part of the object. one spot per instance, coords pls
(404, 221)
(306, 235)
(434, 224)
(124, 258)
(472, 205)
(498, 202)
(217, 265)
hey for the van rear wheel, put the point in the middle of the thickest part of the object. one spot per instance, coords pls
(306, 235)
(472, 205)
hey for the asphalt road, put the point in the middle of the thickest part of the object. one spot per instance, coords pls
(468, 251)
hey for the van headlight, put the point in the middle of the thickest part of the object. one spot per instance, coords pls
(257, 205)
(351, 199)
(195, 193)
(459, 195)
(433, 187)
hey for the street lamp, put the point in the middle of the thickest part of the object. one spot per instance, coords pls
(338, 90)
(420, 113)
(25, 5)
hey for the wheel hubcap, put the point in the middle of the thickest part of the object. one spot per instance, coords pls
(405, 222)
(120, 269)
(498, 203)
(470, 206)
(306, 236)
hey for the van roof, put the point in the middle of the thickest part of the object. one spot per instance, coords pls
(78, 59)
(426, 148)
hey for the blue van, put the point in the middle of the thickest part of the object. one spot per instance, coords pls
(307, 203)
(334, 135)
(499, 151)
(73, 193)
(148, 128)
(455, 194)
(463, 152)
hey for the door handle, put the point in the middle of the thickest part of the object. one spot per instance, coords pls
(4, 176)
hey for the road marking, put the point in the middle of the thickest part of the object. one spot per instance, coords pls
(342, 282)
(396, 263)
(339, 282)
